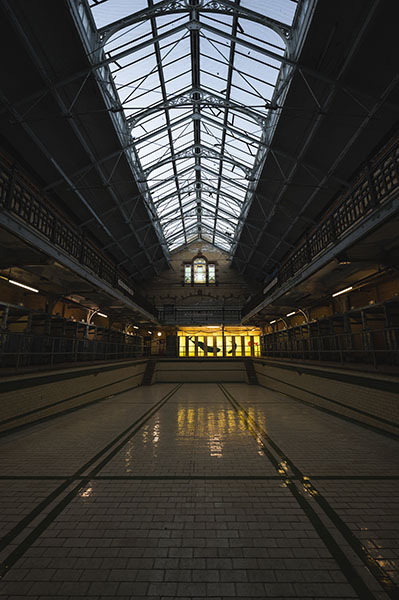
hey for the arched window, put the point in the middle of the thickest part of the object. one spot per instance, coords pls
(199, 271)
(199, 268)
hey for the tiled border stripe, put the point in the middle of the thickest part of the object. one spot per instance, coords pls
(23, 546)
(58, 402)
(350, 572)
(334, 413)
(378, 384)
(18, 383)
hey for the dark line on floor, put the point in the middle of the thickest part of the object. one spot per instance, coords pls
(34, 477)
(190, 477)
(216, 477)
(38, 530)
(358, 477)
(374, 428)
(349, 570)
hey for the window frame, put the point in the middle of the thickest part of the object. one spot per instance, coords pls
(190, 264)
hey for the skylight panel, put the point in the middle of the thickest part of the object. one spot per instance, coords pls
(112, 10)
(280, 10)
(196, 151)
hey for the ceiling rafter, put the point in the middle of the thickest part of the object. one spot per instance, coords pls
(214, 149)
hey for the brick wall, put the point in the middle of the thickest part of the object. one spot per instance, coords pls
(370, 398)
(232, 289)
(30, 398)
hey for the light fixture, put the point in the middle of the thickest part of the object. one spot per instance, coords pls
(271, 322)
(22, 285)
(159, 334)
(343, 259)
(150, 332)
(348, 289)
(135, 327)
(291, 313)
(102, 315)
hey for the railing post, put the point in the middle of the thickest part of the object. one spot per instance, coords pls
(307, 250)
(332, 228)
(52, 351)
(373, 194)
(54, 230)
(82, 250)
(11, 187)
(5, 318)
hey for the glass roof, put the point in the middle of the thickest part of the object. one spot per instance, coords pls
(196, 80)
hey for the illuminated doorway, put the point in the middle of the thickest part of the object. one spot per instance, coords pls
(216, 342)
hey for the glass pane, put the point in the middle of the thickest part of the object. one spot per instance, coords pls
(201, 346)
(224, 142)
(199, 270)
(247, 341)
(191, 346)
(237, 345)
(182, 345)
(187, 273)
(211, 273)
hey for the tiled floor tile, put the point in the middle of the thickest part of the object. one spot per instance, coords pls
(191, 506)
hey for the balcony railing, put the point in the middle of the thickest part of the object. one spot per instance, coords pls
(201, 315)
(22, 200)
(26, 350)
(373, 187)
(375, 347)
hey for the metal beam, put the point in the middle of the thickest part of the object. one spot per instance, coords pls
(195, 151)
(182, 6)
(229, 80)
(320, 118)
(201, 98)
(258, 142)
(75, 128)
(388, 210)
(36, 240)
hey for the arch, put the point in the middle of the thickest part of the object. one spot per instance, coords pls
(199, 271)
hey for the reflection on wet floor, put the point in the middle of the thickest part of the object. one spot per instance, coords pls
(190, 435)
(177, 520)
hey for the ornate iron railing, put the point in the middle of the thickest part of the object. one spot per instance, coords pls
(22, 200)
(21, 349)
(377, 346)
(372, 188)
(200, 315)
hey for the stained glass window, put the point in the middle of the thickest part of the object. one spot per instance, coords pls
(211, 273)
(199, 265)
(187, 273)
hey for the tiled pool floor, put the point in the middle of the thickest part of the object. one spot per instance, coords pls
(199, 491)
